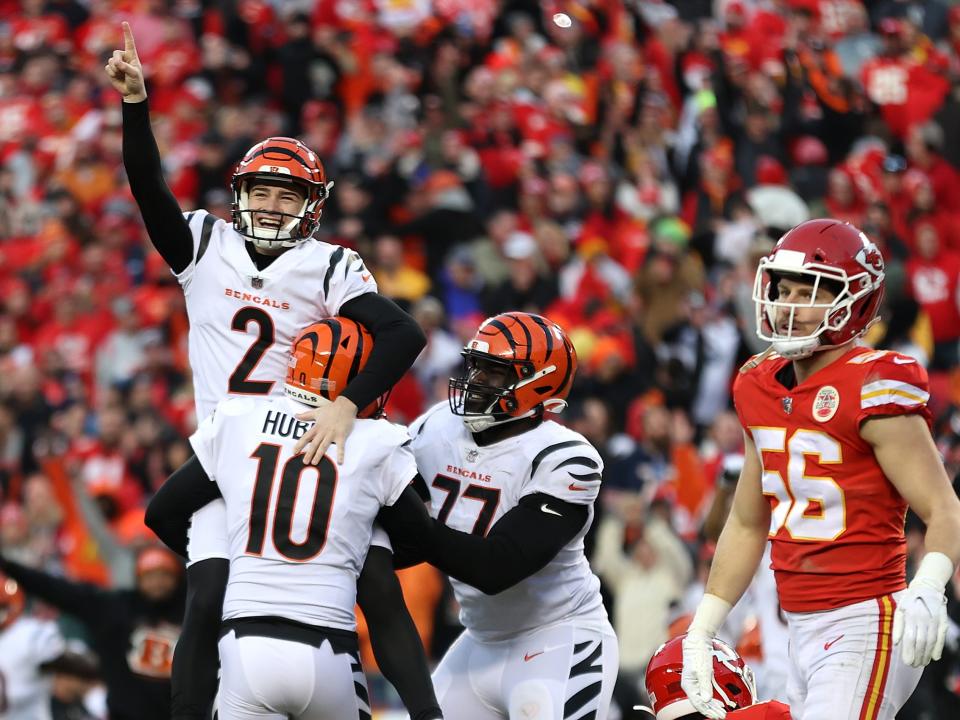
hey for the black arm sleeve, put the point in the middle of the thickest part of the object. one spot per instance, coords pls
(396, 643)
(397, 341)
(170, 510)
(80, 599)
(519, 544)
(195, 658)
(166, 226)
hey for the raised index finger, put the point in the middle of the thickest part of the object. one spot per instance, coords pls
(128, 45)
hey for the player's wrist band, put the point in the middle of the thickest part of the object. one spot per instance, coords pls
(711, 612)
(934, 572)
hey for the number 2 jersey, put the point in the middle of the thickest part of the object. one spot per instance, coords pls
(472, 486)
(836, 521)
(243, 320)
(298, 534)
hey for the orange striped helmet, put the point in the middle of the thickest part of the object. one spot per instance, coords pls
(284, 161)
(518, 365)
(324, 358)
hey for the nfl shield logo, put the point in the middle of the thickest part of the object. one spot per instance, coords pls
(257, 282)
(788, 405)
(472, 455)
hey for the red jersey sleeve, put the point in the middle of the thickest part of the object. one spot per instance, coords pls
(894, 384)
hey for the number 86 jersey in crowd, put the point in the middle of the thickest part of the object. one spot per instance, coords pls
(472, 486)
(242, 320)
(836, 521)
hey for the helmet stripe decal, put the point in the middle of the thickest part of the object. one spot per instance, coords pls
(334, 346)
(355, 365)
(282, 151)
(526, 332)
(546, 331)
(506, 332)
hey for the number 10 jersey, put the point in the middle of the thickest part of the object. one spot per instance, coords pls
(298, 534)
(243, 320)
(836, 521)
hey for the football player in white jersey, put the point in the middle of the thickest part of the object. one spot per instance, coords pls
(511, 497)
(250, 286)
(299, 534)
(29, 649)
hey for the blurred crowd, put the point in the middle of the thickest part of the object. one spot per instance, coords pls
(617, 165)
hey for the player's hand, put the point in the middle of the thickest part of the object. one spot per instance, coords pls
(332, 424)
(920, 624)
(125, 71)
(697, 676)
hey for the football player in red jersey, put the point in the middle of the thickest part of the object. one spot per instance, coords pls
(837, 446)
(733, 686)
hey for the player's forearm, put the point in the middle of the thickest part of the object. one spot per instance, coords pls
(397, 342)
(187, 490)
(739, 550)
(162, 216)
(78, 599)
(943, 531)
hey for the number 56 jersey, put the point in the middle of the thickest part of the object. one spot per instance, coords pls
(472, 486)
(298, 534)
(836, 521)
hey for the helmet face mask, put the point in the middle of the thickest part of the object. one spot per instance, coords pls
(279, 161)
(824, 255)
(483, 404)
(518, 365)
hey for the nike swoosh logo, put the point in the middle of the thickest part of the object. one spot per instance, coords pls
(828, 645)
(903, 361)
(530, 656)
(546, 509)
(576, 488)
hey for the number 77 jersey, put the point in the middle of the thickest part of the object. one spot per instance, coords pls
(472, 486)
(836, 521)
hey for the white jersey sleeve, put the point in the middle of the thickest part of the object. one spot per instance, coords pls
(201, 224)
(569, 470)
(207, 438)
(399, 467)
(345, 278)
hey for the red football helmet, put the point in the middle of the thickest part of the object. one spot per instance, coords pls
(825, 252)
(540, 364)
(12, 601)
(283, 161)
(324, 358)
(733, 683)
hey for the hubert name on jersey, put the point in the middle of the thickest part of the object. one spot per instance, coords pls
(283, 425)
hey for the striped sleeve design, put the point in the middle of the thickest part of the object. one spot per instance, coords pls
(569, 469)
(881, 392)
(894, 384)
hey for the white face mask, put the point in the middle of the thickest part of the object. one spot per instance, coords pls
(836, 314)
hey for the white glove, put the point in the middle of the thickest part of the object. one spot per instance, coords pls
(697, 676)
(696, 679)
(920, 620)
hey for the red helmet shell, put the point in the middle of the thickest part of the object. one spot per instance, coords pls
(830, 250)
(732, 680)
